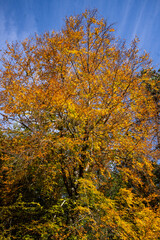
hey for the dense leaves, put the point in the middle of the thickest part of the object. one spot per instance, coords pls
(78, 160)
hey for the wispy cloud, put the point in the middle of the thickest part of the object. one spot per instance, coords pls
(125, 16)
(138, 20)
(149, 27)
(8, 30)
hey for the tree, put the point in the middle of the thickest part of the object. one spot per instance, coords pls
(154, 89)
(76, 120)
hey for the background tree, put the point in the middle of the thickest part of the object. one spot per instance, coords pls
(154, 89)
(77, 136)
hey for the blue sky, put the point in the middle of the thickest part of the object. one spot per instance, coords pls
(22, 18)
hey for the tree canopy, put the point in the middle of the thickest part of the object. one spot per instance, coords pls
(78, 120)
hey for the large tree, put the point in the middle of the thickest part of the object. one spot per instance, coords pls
(76, 136)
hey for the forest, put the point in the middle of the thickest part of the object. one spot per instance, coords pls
(79, 136)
